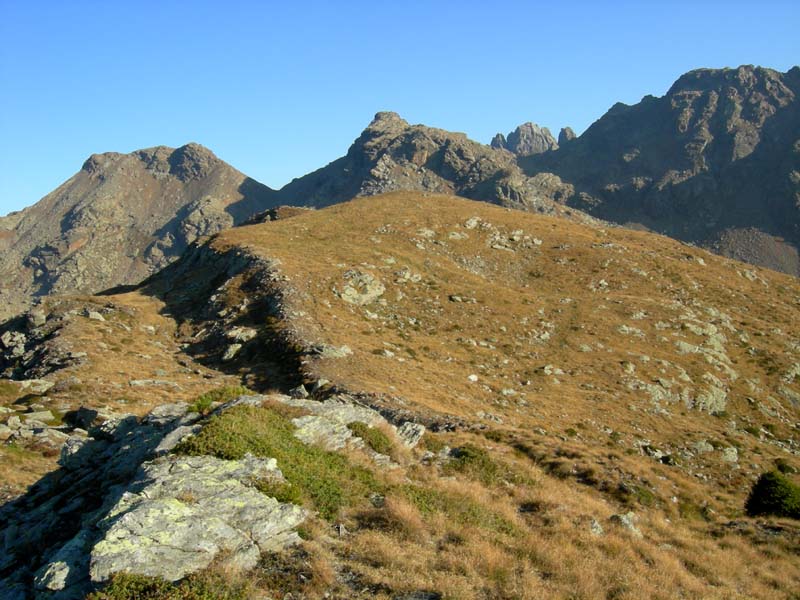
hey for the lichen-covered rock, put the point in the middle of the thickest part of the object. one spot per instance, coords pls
(189, 510)
(361, 288)
(118, 504)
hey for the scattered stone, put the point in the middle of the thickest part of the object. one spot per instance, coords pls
(411, 433)
(595, 527)
(231, 352)
(730, 455)
(299, 392)
(241, 334)
(361, 288)
(628, 522)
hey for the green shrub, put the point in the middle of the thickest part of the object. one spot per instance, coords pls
(282, 491)
(202, 586)
(475, 463)
(226, 393)
(372, 436)
(325, 479)
(774, 494)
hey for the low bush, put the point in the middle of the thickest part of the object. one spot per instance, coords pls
(774, 494)
(475, 463)
(373, 437)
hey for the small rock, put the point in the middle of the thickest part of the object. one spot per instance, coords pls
(43, 416)
(231, 352)
(627, 521)
(411, 433)
(299, 392)
(595, 528)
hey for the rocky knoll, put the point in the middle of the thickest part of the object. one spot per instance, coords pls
(716, 161)
(393, 155)
(118, 220)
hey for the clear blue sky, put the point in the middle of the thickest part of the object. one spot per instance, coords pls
(278, 90)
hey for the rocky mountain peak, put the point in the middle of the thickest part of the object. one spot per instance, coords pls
(120, 218)
(566, 135)
(705, 163)
(525, 140)
(386, 121)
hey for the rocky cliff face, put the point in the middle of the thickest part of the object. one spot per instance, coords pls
(118, 220)
(716, 161)
(393, 155)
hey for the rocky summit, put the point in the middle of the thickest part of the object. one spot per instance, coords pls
(392, 155)
(527, 139)
(119, 219)
(411, 395)
(715, 161)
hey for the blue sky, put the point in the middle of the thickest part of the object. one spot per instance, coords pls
(279, 90)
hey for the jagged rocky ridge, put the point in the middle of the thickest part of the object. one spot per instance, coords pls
(715, 161)
(393, 155)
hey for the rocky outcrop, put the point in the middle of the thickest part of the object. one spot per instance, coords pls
(525, 140)
(119, 219)
(716, 161)
(122, 502)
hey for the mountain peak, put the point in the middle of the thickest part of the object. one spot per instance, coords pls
(526, 139)
(387, 122)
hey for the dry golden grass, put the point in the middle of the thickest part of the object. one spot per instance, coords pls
(562, 303)
(551, 450)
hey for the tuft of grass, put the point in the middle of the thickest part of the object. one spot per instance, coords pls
(373, 437)
(201, 586)
(202, 403)
(477, 464)
(774, 494)
(325, 479)
(456, 507)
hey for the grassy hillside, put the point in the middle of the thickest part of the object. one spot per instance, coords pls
(569, 375)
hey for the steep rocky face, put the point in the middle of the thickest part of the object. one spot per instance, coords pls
(119, 219)
(716, 161)
(525, 140)
(392, 155)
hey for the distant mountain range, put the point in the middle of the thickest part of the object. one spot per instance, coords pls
(715, 162)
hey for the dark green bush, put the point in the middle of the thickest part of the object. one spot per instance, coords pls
(774, 494)
(372, 436)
